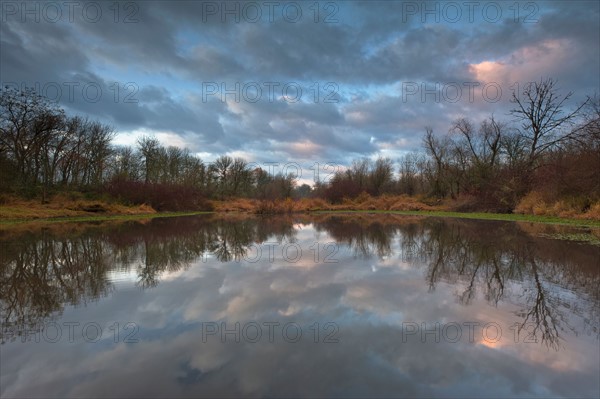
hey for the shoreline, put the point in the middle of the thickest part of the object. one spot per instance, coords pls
(6, 222)
(550, 220)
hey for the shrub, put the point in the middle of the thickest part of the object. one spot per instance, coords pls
(593, 212)
(530, 203)
(275, 206)
(340, 189)
(162, 197)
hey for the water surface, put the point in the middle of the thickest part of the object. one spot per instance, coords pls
(319, 306)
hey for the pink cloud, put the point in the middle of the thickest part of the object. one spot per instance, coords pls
(526, 64)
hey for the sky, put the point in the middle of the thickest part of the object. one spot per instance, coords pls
(305, 82)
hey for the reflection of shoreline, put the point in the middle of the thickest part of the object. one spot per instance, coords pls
(44, 271)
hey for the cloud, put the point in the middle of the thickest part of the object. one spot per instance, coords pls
(153, 72)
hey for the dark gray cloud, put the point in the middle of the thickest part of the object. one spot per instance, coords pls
(168, 51)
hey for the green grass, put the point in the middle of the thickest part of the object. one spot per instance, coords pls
(487, 216)
(576, 237)
(97, 218)
(445, 214)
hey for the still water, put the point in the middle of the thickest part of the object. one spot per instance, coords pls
(317, 306)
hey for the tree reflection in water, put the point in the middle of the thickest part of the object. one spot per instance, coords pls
(487, 256)
(44, 271)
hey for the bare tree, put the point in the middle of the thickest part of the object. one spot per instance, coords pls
(409, 179)
(491, 132)
(149, 147)
(240, 176)
(542, 113)
(28, 122)
(587, 134)
(438, 150)
(359, 172)
(381, 175)
(99, 150)
(222, 170)
(126, 164)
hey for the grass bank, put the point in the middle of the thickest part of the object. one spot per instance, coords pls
(485, 216)
(99, 218)
(63, 209)
(15, 211)
(402, 205)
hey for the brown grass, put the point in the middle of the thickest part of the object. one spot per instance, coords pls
(534, 203)
(593, 213)
(65, 206)
(362, 202)
(235, 205)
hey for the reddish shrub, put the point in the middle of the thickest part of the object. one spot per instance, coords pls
(162, 197)
(340, 189)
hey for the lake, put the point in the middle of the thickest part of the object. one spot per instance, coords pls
(362, 305)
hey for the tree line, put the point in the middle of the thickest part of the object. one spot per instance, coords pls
(489, 165)
(43, 150)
